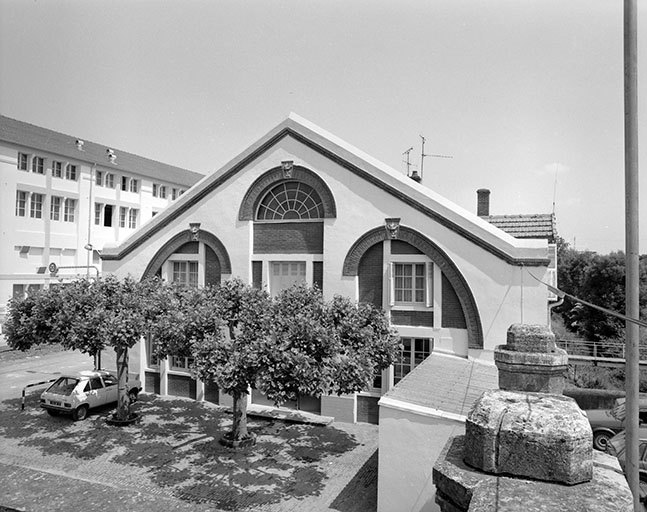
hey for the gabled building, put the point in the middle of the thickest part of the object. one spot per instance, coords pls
(302, 205)
(62, 198)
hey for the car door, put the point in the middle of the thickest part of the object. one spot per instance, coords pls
(94, 392)
(111, 390)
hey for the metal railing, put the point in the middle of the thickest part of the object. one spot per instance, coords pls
(600, 349)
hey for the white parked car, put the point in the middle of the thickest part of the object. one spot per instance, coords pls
(76, 394)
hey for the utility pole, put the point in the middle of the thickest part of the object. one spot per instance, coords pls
(632, 247)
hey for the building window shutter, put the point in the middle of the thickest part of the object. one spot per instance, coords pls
(391, 280)
(430, 285)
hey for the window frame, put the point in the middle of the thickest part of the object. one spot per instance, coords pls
(133, 217)
(57, 169)
(109, 180)
(55, 208)
(22, 161)
(413, 356)
(133, 186)
(38, 164)
(427, 302)
(36, 202)
(22, 198)
(69, 210)
(71, 172)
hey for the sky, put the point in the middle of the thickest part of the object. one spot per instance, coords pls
(525, 96)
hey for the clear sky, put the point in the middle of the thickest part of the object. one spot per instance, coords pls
(526, 96)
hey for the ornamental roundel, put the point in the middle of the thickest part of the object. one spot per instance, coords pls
(290, 200)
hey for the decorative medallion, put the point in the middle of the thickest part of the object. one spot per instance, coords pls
(392, 226)
(287, 166)
(194, 227)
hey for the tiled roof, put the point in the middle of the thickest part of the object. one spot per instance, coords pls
(42, 139)
(539, 225)
(446, 383)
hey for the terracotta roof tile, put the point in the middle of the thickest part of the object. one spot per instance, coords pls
(539, 225)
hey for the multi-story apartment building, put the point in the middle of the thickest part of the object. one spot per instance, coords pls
(64, 198)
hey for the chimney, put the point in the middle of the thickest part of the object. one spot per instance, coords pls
(483, 202)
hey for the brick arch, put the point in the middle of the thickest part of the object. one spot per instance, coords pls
(273, 177)
(178, 241)
(439, 257)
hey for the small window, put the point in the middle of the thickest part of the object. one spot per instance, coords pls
(414, 352)
(155, 190)
(162, 192)
(55, 208)
(122, 216)
(132, 218)
(110, 180)
(411, 284)
(21, 203)
(23, 162)
(181, 363)
(57, 169)
(38, 165)
(69, 209)
(98, 210)
(124, 183)
(173, 194)
(151, 349)
(70, 172)
(98, 178)
(36, 206)
(134, 185)
(185, 272)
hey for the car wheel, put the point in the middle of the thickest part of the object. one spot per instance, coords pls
(132, 395)
(601, 441)
(80, 413)
(52, 412)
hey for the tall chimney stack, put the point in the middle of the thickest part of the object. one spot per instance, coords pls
(483, 202)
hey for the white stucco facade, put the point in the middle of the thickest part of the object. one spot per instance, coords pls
(487, 270)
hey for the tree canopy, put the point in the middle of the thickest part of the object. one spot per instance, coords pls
(599, 279)
(287, 346)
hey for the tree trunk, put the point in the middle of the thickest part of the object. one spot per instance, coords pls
(123, 401)
(239, 428)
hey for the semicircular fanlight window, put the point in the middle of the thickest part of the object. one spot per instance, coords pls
(290, 200)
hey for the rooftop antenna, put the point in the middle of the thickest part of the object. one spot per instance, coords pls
(413, 174)
(423, 155)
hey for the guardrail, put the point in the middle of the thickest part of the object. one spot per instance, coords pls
(600, 349)
(42, 383)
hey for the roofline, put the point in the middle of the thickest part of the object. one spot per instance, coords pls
(82, 156)
(293, 127)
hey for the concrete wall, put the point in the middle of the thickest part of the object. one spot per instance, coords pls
(410, 441)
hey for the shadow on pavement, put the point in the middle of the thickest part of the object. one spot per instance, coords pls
(177, 443)
(361, 491)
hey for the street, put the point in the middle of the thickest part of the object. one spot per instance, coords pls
(16, 374)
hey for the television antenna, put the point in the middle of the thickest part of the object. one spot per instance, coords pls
(423, 155)
(407, 161)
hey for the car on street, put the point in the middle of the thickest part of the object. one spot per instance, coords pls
(606, 423)
(616, 447)
(76, 394)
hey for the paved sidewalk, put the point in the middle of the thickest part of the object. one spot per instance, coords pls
(171, 461)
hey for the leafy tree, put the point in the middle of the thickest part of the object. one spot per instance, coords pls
(291, 345)
(87, 316)
(599, 279)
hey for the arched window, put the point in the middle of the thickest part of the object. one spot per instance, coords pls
(290, 200)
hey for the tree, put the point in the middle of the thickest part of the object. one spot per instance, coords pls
(599, 279)
(291, 345)
(87, 316)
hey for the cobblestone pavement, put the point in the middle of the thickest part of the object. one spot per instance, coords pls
(171, 460)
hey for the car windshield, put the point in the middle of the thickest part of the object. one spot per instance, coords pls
(63, 386)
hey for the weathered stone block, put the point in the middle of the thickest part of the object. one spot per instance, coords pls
(531, 435)
(460, 488)
(530, 338)
(531, 371)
